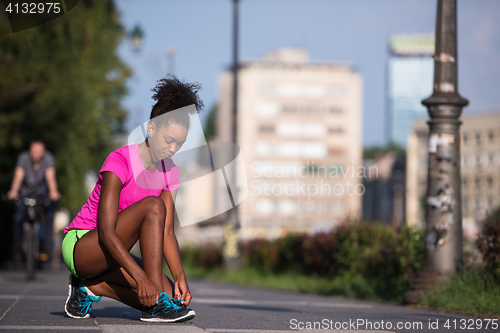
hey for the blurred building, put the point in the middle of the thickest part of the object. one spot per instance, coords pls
(410, 74)
(480, 168)
(299, 130)
(384, 199)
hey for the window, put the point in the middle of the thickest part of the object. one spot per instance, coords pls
(490, 202)
(465, 138)
(478, 138)
(313, 110)
(287, 207)
(490, 159)
(335, 130)
(264, 207)
(491, 136)
(477, 182)
(478, 161)
(335, 151)
(266, 109)
(334, 111)
(289, 109)
(266, 128)
(464, 203)
(489, 180)
(266, 89)
(464, 182)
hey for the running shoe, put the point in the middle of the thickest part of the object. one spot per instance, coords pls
(167, 311)
(79, 302)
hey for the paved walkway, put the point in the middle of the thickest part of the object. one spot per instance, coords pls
(39, 307)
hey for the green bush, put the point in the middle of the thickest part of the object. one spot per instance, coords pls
(390, 255)
(488, 242)
(207, 256)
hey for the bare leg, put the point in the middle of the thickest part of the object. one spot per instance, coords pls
(116, 283)
(145, 220)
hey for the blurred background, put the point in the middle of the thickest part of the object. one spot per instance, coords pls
(329, 100)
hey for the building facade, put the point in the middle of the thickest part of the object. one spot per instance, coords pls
(480, 169)
(410, 73)
(299, 130)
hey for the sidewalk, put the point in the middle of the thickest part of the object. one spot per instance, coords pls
(39, 307)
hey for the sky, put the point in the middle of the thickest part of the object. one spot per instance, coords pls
(350, 31)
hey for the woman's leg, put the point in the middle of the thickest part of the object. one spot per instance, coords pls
(116, 283)
(145, 220)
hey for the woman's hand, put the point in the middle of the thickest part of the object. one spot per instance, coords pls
(181, 291)
(148, 295)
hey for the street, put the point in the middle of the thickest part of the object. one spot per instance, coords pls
(39, 307)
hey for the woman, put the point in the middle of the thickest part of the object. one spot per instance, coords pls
(133, 199)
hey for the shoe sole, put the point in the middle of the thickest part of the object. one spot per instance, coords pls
(190, 315)
(67, 300)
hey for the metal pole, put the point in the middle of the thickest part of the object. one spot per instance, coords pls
(231, 246)
(443, 230)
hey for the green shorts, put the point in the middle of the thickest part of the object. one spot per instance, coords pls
(68, 248)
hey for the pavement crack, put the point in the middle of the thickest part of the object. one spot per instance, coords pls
(25, 291)
(95, 321)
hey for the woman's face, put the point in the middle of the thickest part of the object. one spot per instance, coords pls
(166, 140)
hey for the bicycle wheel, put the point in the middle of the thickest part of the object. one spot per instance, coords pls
(30, 252)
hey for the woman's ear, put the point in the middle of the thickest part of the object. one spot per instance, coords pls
(151, 129)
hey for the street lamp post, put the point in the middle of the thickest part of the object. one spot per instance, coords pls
(231, 235)
(443, 229)
(137, 36)
(171, 60)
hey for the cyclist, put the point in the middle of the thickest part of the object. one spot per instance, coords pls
(34, 176)
(134, 199)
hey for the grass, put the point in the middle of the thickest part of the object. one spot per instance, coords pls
(346, 285)
(468, 291)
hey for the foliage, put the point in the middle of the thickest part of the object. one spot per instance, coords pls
(62, 82)
(208, 256)
(392, 256)
(210, 129)
(488, 242)
(348, 285)
(371, 153)
(474, 292)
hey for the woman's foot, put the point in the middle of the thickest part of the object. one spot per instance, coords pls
(79, 302)
(167, 310)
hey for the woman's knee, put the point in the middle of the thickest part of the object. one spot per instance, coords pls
(155, 208)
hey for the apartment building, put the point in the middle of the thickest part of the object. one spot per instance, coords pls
(299, 129)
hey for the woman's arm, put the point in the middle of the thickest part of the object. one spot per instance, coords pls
(171, 250)
(108, 216)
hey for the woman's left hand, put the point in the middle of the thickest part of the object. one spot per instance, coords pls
(181, 291)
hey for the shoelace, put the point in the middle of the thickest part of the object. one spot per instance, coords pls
(86, 305)
(170, 301)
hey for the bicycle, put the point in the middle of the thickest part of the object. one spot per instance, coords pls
(31, 226)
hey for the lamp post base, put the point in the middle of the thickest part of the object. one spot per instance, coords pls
(429, 279)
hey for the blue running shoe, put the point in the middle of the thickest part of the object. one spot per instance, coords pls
(167, 311)
(79, 302)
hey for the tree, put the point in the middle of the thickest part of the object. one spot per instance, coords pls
(211, 124)
(62, 82)
(373, 152)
